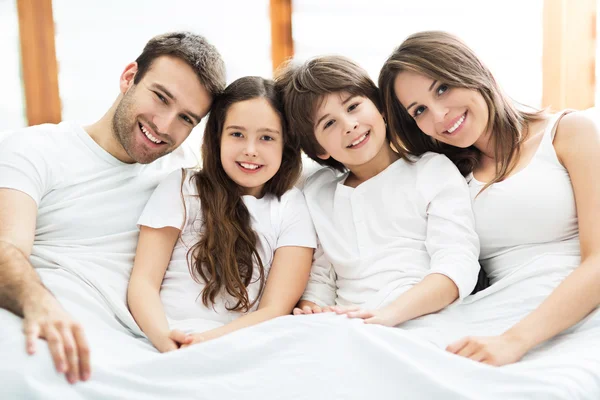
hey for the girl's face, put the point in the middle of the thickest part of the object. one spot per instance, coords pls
(251, 144)
(455, 116)
(350, 129)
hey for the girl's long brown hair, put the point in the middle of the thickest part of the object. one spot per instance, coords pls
(225, 254)
(445, 58)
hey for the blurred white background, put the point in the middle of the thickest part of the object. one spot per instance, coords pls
(95, 40)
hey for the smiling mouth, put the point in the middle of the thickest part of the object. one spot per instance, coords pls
(249, 167)
(359, 140)
(148, 135)
(457, 124)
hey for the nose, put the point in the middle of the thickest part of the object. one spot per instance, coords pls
(440, 111)
(250, 149)
(351, 124)
(164, 122)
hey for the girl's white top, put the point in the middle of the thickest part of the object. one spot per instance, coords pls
(278, 223)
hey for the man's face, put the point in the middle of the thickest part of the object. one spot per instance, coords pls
(156, 115)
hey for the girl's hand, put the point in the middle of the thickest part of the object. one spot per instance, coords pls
(492, 350)
(196, 338)
(386, 316)
(306, 307)
(174, 341)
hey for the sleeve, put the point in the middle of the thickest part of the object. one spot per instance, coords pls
(296, 225)
(452, 241)
(23, 166)
(166, 206)
(321, 288)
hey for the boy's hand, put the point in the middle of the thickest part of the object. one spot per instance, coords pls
(385, 316)
(306, 307)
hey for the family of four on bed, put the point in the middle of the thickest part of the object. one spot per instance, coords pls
(427, 177)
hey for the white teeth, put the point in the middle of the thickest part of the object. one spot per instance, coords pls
(457, 124)
(149, 135)
(249, 166)
(359, 140)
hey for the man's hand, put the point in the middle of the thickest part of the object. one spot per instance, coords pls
(306, 307)
(47, 320)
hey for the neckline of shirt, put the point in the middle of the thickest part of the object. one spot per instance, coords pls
(97, 149)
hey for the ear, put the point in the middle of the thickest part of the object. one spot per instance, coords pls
(127, 77)
(323, 156)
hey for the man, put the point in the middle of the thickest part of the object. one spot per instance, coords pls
(70, 197)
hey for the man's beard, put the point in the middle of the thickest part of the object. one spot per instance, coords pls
(124, 129)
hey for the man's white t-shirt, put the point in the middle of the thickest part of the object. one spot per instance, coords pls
(277, 223)
(88, 205)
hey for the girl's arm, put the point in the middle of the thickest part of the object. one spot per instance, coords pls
(151, 261)
(577, 145)
(285, 284)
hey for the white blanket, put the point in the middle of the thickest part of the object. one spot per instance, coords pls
(295, 357)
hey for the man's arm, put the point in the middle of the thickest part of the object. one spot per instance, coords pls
(22, 292)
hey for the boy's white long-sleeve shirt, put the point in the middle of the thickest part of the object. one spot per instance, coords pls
(381, 238)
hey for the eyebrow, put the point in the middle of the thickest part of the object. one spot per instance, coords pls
(170, 95)
(413, 103)
(241, 128)
(352, 96)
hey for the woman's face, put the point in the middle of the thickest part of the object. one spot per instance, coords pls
(456, 116)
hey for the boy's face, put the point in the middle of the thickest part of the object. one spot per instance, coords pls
(349, 128)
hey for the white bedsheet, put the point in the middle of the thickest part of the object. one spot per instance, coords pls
(296, 357)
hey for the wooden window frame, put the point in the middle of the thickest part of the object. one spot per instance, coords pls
(38, 61)
(569, 54)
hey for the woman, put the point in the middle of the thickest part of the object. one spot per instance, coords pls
(530, 175)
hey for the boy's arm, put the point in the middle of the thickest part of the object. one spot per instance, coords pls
(432, 294)
(452, 244)
(321, 290)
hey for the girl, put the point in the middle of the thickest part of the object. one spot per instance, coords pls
(397, 234)
(529, 173)
(238, 236)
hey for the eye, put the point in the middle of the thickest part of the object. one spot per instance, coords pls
(161, 97)
(328, 123)
(418, 111)
(267, 138)
(442, 89)
(352, 107)
(237, 134)
(187, 119)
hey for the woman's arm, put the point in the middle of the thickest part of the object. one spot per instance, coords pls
(577, 145)
(285, 284)
(143, 294)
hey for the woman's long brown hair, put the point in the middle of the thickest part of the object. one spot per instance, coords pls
(443, 57)
(225, 255)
